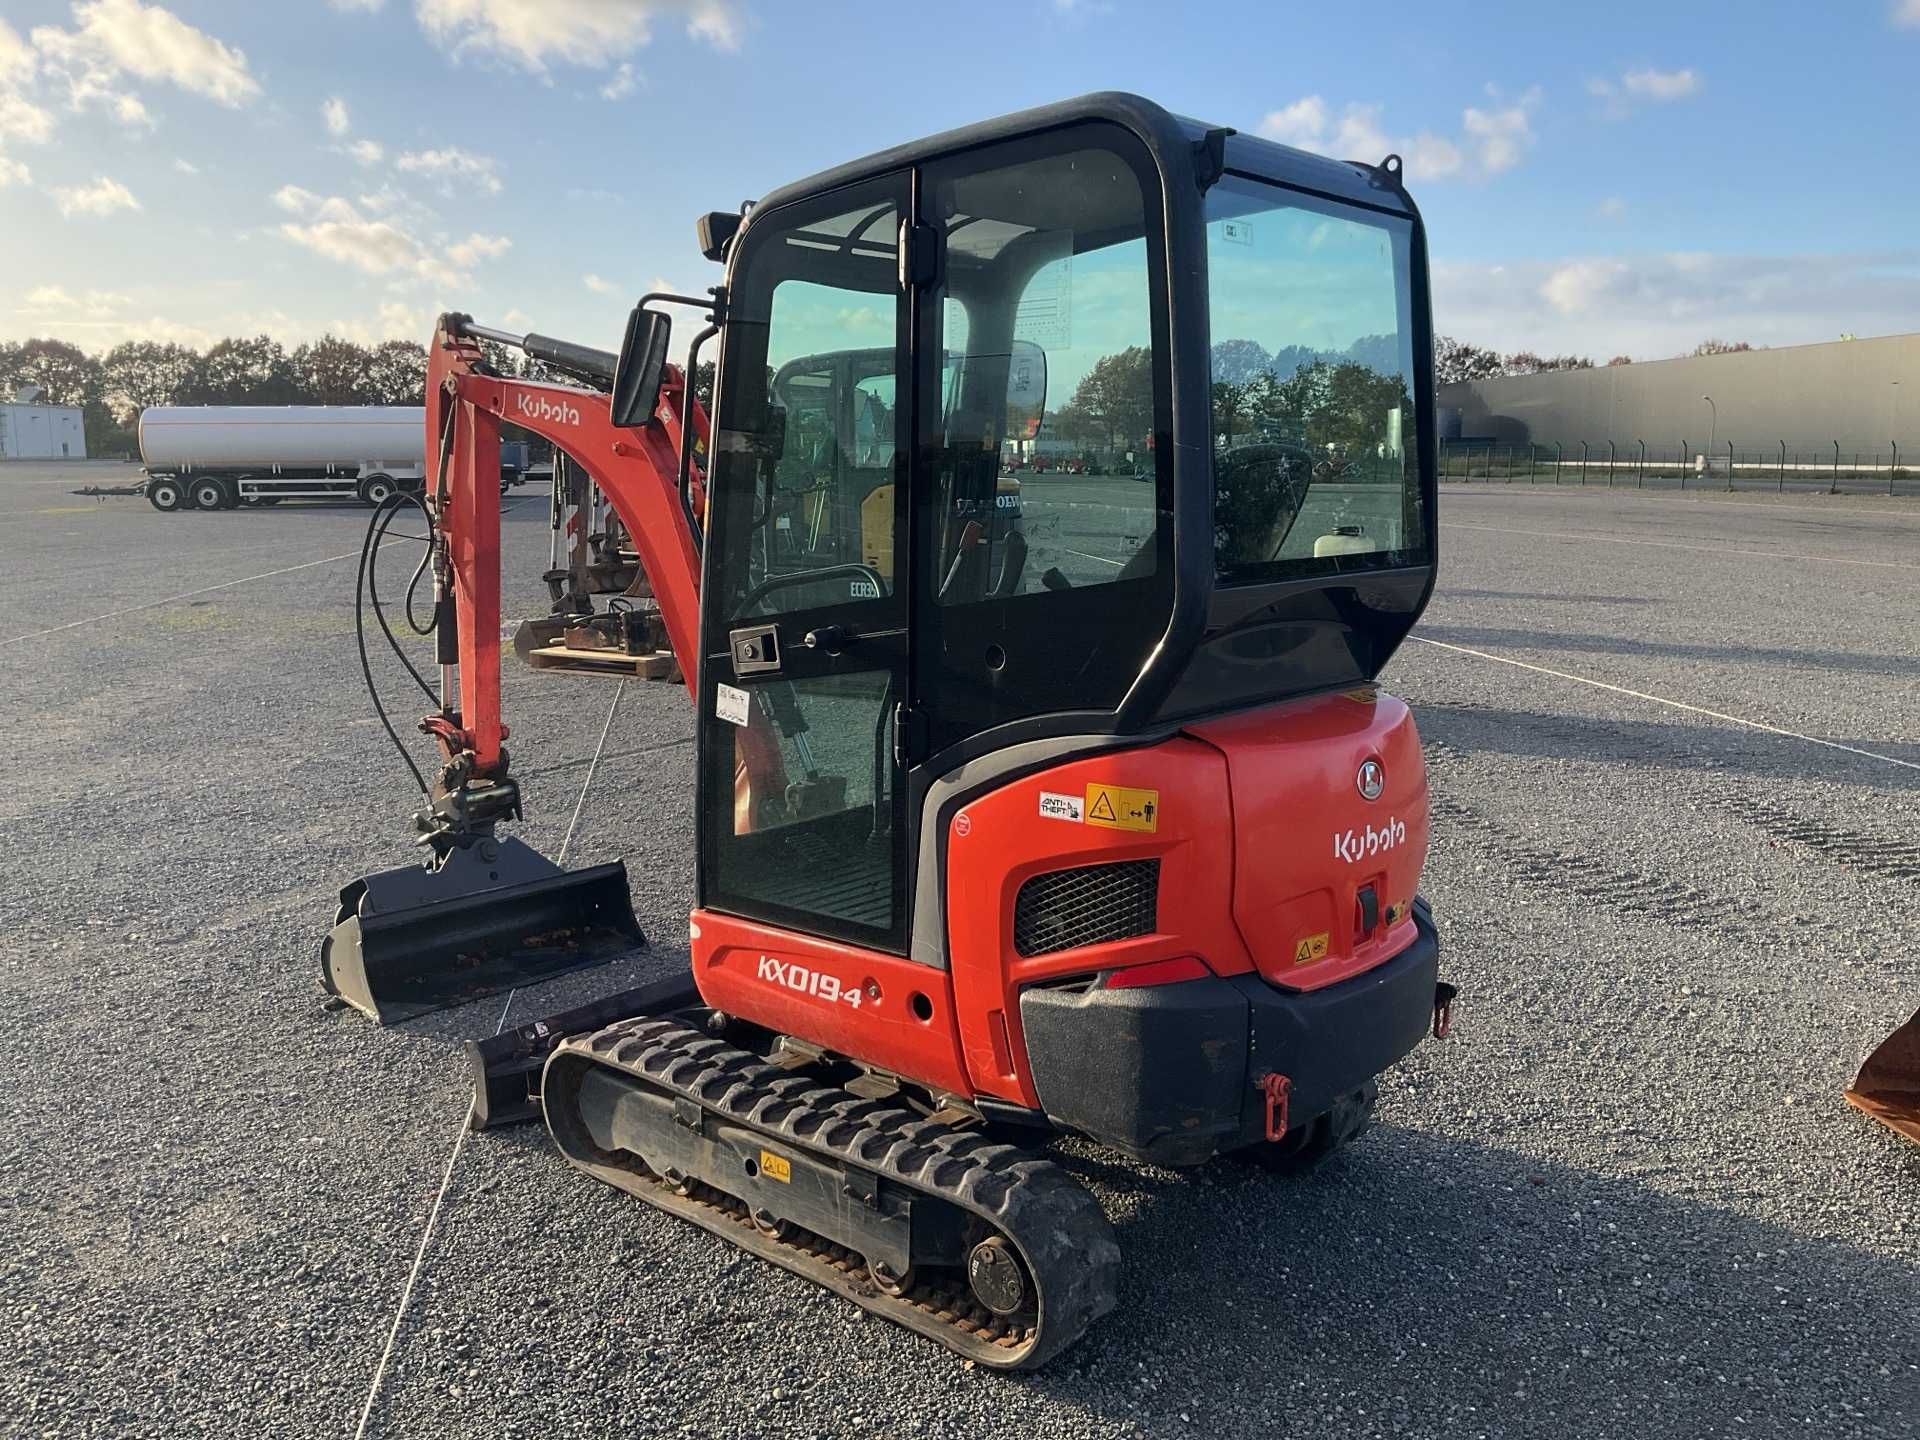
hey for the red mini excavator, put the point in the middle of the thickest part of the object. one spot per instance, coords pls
(1080, 814)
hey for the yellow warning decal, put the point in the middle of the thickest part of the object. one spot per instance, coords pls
(776, 1167)
(1311, 948)
(1118, 808)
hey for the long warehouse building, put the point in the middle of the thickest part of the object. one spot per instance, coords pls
(1864, 394)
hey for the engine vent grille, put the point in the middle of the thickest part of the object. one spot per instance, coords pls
(1087, 905)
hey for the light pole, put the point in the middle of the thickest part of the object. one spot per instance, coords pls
(1714, 433)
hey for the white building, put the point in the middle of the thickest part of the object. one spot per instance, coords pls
(31, 430)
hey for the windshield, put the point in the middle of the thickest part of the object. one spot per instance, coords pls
(1316, 468)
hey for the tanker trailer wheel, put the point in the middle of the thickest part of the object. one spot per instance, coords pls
(208, 494)
(376, 488)
(166, 496)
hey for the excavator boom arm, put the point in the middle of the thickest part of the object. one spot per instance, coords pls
(636, 468)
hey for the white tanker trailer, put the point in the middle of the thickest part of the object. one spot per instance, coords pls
(214, 457)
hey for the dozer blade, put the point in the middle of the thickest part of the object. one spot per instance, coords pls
(494, 915)
(1888, 1085)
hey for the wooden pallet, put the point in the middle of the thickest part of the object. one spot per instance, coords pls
(654, 665)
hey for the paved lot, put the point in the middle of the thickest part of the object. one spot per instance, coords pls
(1625, 1198)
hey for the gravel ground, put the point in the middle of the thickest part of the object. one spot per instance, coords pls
(1624, 1197)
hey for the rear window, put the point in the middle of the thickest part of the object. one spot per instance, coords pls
(1316, 469)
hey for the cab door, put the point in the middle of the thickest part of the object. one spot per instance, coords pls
(802, 813)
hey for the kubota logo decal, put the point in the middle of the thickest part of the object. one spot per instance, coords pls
(1369, 840)
(538, 407)
(789, 975)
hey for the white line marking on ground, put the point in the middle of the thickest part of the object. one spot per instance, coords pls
(460, 1140)
(1117, 564)
(419, 1258)
(1677, 545)
(1662, 700)
(586, 784)
(183, 595)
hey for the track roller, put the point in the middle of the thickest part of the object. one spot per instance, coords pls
(981, 1246)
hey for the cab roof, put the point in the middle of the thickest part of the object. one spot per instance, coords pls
(1177, 143)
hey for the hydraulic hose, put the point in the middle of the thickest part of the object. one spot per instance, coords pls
(367, 590)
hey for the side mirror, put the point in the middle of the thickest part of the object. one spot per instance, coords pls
(1026, 389)
(643, 360)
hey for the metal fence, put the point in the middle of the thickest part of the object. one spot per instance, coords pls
(1640, 466)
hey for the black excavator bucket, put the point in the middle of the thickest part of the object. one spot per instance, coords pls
(493, 915)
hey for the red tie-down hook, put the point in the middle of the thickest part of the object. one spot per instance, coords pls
(1278, 1089)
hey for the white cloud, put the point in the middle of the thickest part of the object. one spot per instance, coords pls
(1490, 140)
(1657, 87)
(478, 247)
(102, 197)
(53, 300)
(717, 22)
(116, 38)
(364, 6)
(1301, 124)
(1907, 13)
(367, 152)
(16, 56)
(333, 227)
(131, 111)
(20, 119)
(373, 246)
(184, 166)
(1500, 137)
(1661, 84)
(393, 320)
(12, 172)
(1654, 305)
(588, 33)
(597, 285)
(450, 165)
(623, 82)
(1611, 208)
(334, 113)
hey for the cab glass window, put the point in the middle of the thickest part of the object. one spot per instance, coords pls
(805, 451)
(1045, 479)
(1316, 469)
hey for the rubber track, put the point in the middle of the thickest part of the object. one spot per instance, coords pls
(1058, 1228)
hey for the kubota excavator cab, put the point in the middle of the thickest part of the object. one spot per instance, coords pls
(1101, 822)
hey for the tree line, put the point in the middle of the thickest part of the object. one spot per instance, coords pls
(1309, 397)
(112, 389)
(1459, 360)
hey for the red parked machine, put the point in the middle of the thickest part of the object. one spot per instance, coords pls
(1094, 824)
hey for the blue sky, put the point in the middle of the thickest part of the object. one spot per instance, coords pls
(1621, 178)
